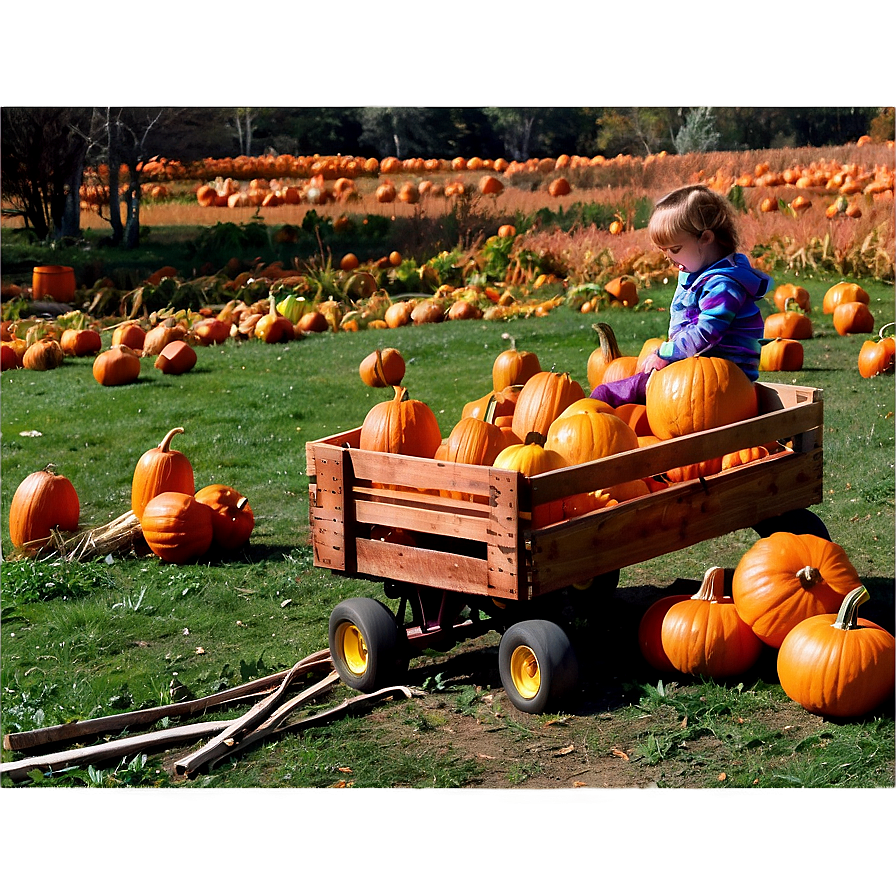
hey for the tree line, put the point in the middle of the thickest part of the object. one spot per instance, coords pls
(46, 149)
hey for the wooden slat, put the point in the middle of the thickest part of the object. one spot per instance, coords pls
(420, 519)
(670, 520)
(436, 569)
(505, 555)
(351, 437)
(331, 512)
(419, 472)
(680, 451)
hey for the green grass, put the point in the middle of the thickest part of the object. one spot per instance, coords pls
(107, 636)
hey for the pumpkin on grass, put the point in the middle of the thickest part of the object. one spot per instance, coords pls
(650, 632)
(785, 578)
(853, 317)
(232, 517)
(542, 399)
(176, 357)
(117, 366)
(45, 354)
(706, 636)
(697, 394)
(781, 354)
(160, 469)
(80, 343)
(876, 356)
(383, 367)
(177, 527)
(791, 323)
(791, 292)
(838, 665)
(44, 500)
(843, 292)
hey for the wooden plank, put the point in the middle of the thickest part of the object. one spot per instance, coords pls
(676, 452)
(419, 472)
(504, 548)
(419, 519)
(436, 569)
(331, 513)
(670, 520)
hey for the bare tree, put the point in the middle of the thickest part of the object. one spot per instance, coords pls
(516, 127)
(243, 121)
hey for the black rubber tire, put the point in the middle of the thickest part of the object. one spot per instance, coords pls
(797, 522)
(538, 665)
(366, 644)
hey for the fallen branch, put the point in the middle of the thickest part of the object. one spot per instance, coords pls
(71, 731)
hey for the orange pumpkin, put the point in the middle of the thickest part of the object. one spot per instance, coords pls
(877, 356)
(785, 578)
(788, 324)
(401, 425)
(781, 354)
(853, 317)
(838, 665)
(797, 294)
(606, 352)
(650, 632)
(744, 456)
(623, 290)
(841, 293)
(211, 331)
(45, 354)
(116, 366)
(130, 334)
(383, 367)
(177, 527)
(697, 394)
(160, 469)
(530, 458)
(589, 435)
(541, 401)
(706, 636)
(44, 500)
(232, 517)
(176, 357)
(635, 415)
(504, 401)
(80, 343)
(514, 367)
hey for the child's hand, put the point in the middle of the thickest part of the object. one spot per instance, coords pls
(654, 362)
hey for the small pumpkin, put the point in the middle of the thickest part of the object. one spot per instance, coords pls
(531, 458)
(838, 665)
(117, 366)
(876, 357)
(211, 331)
(853, 317)
(791, 291)
(45, 354)
(541, 400)
(274, 327)
(130, 334)
(80, 343)
(177, 527)
(781, 354)
(785, 578)
(791, 323)
(9, 360)
(44, 500)
(841, 293)
(706, 636)
(160, 469)
(514, 367)
(696, 394)
(159, 336)
(650, 632)
(401, 425)
(176, 357)
(635, 415)
(383, 367)
(232, 518)
(623, 290)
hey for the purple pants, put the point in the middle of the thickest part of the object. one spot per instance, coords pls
(631, 390)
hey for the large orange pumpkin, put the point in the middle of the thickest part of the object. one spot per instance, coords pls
(160, 469)
(781, 354)
(791, 323)
(117, 366)
(838, 665)
(541, 400)
(696, 394)
(843, 292)
(589, 435)
(706, 636)
(177, 527)
(401, 425)
(853, 317)
(785, 578)
(44, 500)
(876, 356)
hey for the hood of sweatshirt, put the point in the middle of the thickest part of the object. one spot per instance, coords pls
(735, 267)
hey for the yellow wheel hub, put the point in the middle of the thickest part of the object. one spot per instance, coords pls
(524, 672)
(354, 650)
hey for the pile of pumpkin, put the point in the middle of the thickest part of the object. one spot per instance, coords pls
(178, 523)
(535, 421)
(847, 304)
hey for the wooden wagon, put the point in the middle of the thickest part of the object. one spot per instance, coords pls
(455, 545)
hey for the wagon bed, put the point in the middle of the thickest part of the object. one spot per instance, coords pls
(471, 526)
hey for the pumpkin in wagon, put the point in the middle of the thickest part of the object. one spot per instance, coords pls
(401, 425)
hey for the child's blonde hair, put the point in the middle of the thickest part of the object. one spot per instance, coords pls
(694, 209)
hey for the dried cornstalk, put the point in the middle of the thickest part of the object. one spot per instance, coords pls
(118, 536)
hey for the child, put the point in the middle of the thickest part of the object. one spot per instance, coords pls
(714, 310)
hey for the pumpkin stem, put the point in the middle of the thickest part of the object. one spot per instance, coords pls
(242, 503)
(880, 332)
(790, 300)
(713, 585)
(609, 347)
(50, 468)
(166, 442)
(535, 438)
(512, 340)
(490, 408)
(401, 394)
(847, 617)
(809, 577)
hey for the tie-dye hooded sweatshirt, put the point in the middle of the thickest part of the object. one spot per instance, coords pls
(714, 312)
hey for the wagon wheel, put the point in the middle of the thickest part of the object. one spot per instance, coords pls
(367, 645)
(797, 522)
(537, 664)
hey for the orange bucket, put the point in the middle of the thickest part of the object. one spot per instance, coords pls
(53, 281)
